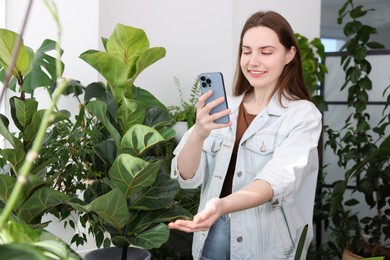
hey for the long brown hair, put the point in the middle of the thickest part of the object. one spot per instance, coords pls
(290, 83)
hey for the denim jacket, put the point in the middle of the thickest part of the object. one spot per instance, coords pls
(280, 147)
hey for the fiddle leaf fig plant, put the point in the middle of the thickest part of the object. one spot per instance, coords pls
(134, 196)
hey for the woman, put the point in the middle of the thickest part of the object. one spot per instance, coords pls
(258, 172)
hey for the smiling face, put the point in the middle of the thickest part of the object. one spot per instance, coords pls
(263, 57)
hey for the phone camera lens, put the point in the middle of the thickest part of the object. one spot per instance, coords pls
(208, 81)
(202, 78)
(204, 84)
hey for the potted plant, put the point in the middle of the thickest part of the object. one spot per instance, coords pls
(363, 150)
(133, 195)
(184, 115)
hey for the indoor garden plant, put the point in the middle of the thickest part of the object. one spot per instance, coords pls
(127, 148)
(134, 150)
(186, 111)
(363, 151)
(27, 189)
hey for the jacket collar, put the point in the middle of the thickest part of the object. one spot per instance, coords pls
(274, 108)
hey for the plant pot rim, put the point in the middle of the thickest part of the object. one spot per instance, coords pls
(135, 253)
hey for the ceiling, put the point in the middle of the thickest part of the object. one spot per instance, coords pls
(379, 18)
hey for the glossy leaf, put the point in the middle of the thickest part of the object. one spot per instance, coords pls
(157, 117)
(8, 41)
(139, 138)
(107, 151)
(22, 112)
(43, 73)
(4, 131)
(127, 43)
(132, 174)
(146, 59)
(99, 109)
(130, 112)
(7, 183)
(144, 219)
(112, 207)
(157, 196)
(40, 202)
(151, 238)
(108, 65)
(15, 157)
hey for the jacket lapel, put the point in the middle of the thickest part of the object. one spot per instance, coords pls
(273, 109)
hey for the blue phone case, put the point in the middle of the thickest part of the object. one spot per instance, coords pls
(215, 82)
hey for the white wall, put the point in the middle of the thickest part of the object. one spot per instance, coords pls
(199, 36)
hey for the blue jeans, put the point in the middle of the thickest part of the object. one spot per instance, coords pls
(217, 244)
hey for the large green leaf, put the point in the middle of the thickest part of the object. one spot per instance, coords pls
(40, 202)
(144, 96)
(157, 196)
(146, 218)
(22, 111)
(130, 112)
(131, 174)
(151, 238)
(4, 131)
(146, 59)
(127, 43)
(19, 241)
(112, 207)
(8, 41)
(44, 72)
(99, 109)
(21, 251)
(157, 117)
(139, 138)
(15, 157)
(109, 66)
(106, 151)
(7, 183)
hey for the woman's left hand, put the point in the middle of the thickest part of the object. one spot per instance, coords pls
(203, 220)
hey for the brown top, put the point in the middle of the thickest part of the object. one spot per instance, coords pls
(243, 121)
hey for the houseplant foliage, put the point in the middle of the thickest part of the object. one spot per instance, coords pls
(313, 66)
(186, 111)
(363, 150)
(26, 187)
(133, 195)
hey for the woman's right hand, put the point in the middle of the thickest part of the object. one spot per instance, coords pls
(204, 121)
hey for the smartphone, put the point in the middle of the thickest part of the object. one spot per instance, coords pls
(214, 81)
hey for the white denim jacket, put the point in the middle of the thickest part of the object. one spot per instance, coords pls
(280, 147)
